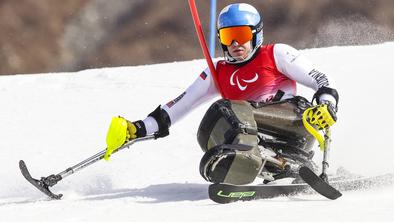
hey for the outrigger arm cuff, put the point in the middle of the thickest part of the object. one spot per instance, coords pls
(326, 90)
(163, 121)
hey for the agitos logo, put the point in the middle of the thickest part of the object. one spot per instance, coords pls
(242, 86)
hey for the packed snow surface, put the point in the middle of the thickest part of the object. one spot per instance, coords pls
(53, 121)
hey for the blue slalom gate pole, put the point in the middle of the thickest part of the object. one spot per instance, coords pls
(212, 36)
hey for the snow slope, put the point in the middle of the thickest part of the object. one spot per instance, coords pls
(53, 121)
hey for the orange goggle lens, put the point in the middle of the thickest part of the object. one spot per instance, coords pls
(241, 34)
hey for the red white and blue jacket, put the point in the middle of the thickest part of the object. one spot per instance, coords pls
(274, 67)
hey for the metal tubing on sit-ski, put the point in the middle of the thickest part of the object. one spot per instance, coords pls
(98, 157)
(327, 142)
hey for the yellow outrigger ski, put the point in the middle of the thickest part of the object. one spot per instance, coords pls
(315, 119)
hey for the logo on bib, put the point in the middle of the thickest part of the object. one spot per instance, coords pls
(245, 82)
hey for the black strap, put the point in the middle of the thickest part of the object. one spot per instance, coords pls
(141, 129)
(326, 90)
(163, 120)
(278, 96)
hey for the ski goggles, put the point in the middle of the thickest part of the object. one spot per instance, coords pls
(241, 34)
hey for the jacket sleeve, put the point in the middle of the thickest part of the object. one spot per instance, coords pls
(200, 91)
(296, 66)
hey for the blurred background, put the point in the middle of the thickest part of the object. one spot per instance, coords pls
(58, 36)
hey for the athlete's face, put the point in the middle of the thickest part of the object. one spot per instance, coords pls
(238, 51)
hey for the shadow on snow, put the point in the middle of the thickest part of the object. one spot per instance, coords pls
(160, 193)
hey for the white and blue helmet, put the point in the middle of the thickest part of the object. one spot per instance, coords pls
(241, 14)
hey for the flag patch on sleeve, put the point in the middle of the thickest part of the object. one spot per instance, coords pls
(203, 75)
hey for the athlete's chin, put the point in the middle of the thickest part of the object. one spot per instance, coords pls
(238, 54)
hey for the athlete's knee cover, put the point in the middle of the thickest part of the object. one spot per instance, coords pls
(283, 120)
(229, 163)
(224, 121)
